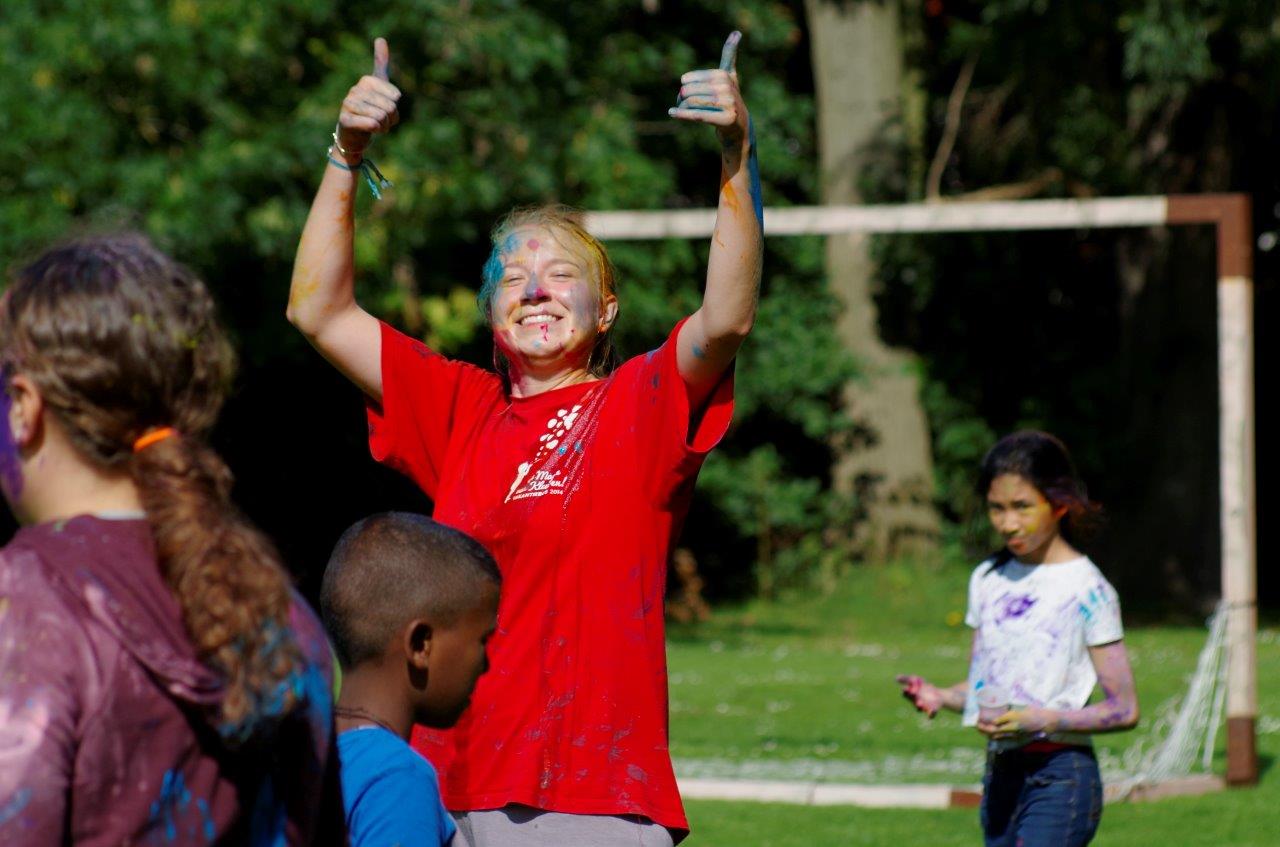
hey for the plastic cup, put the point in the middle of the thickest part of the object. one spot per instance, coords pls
(993, 701)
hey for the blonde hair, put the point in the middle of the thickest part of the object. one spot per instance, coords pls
(562, 222)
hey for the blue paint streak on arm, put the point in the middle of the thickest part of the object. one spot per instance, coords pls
(16, 804)
(753, 172)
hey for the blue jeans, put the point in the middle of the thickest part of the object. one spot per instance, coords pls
(1041, 799)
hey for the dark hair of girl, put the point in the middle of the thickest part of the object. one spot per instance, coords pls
(121, 340)
(1042, 460)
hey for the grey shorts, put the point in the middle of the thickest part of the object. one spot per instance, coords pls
(523, 826)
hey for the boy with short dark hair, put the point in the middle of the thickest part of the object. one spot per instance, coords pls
(409, 604)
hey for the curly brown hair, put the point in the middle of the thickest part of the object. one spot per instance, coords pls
(120, 339)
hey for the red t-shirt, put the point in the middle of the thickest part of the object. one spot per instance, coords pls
(579, 493)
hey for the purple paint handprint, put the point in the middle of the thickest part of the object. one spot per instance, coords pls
(1014, 606)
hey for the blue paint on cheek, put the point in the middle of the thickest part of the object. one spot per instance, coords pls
(698, 352)
(489, 279)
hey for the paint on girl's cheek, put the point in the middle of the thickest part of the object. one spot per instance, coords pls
(491, 275)
(10, 466)
(1038, 518)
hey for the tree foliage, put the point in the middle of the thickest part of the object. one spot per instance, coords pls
(206, 124)
(1108, 338)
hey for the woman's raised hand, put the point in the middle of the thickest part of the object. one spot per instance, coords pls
(712, 96)
(370, 105)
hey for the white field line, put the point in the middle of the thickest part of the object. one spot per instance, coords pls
(957, 764)
(1100, 213)
(820, 794)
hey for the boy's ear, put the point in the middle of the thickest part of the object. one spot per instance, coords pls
(417, 643)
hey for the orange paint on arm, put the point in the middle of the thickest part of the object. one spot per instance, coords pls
(346, 210)
(730, 197)
(304, 285)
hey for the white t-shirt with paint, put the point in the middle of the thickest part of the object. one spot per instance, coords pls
(1034, 625)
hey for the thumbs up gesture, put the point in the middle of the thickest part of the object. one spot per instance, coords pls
(712, 96)
(370, 105)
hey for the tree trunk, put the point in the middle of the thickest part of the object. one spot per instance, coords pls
(858, 77)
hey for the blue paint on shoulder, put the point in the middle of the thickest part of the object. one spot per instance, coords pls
(266, 828)
(16, 804)
(173, 800)
(206, 820)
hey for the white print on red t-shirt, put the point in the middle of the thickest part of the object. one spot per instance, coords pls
(560, 438)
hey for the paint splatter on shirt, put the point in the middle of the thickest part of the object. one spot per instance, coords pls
(579, 493)
(104, 736)
(1035, 625)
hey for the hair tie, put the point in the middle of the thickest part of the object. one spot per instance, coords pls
(153, 436)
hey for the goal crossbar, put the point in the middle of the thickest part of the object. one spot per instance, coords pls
(1230, 215)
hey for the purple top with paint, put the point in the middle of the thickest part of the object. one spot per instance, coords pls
(103, 736)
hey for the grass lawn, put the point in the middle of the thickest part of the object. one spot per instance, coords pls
(804, 689)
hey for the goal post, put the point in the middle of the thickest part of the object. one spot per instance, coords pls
(1230, 215)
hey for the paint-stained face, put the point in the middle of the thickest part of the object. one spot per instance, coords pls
(458, 658)
(1020, 513)
(546, 309)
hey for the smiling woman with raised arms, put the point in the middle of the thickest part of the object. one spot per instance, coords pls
(574, 470)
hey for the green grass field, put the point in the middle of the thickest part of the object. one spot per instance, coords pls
(804, 689)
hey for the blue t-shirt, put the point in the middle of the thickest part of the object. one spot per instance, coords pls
(390, 793)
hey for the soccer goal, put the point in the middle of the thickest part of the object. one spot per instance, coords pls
(1232, 633)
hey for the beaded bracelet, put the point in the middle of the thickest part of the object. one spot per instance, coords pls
(366, 168)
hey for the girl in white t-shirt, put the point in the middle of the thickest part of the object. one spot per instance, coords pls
(1046, 630)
